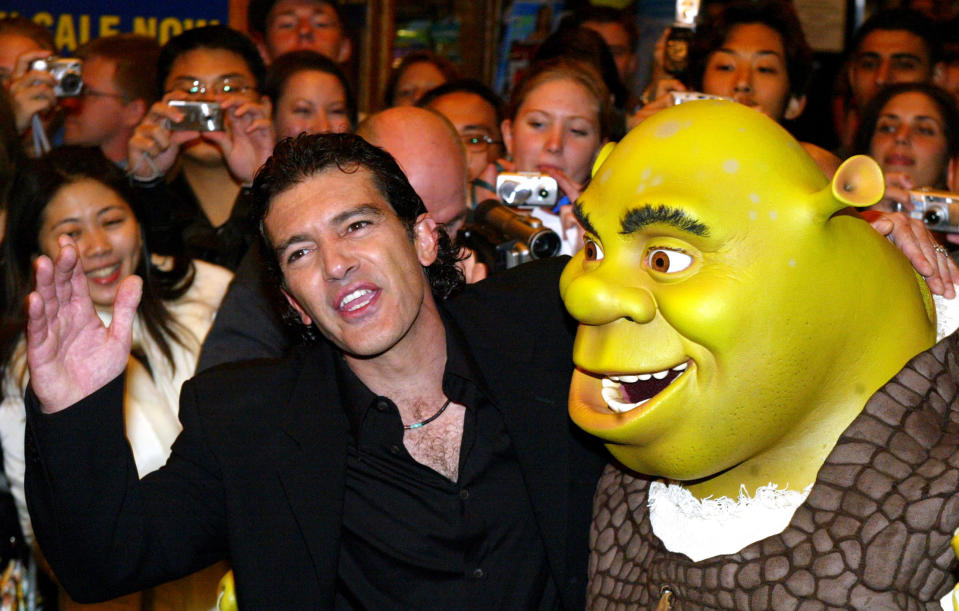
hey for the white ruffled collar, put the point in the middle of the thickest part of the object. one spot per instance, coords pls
(709, 527)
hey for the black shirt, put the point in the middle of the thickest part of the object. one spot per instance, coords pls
(412, 539)
(176, 224)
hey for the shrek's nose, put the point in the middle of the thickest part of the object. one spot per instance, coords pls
(594, 300)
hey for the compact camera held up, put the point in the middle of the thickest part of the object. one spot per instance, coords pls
(68, 73)
(200, 116)
(681, 97)
(939, 210)
(526, 189)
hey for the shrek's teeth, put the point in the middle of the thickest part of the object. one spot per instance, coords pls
(613, 399)
(624, 393)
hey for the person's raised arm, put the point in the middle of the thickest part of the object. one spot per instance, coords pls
(70, 353)
(31, 91)
(915, 241)
(249, 137)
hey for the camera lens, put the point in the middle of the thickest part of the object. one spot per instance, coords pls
(933, 216)
(71, 83)
(545, 244)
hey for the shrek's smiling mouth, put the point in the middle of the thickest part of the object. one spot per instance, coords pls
(623, 393)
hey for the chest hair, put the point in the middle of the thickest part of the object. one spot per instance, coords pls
(437, 444)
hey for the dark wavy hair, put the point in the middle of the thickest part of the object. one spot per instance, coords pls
(217, 37)
(36, 185)
(11, 149)
(294, 62)
(778, 15)
(297, 159)
(943, 100)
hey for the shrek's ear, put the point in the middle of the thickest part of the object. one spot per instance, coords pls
(601, 156)
(858, 182)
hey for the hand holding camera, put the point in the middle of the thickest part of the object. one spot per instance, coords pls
(239, 125)
(67, 74)
(154, 145)
(31, 90)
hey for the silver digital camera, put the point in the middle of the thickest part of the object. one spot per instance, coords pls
(526, 189)
(681, 97)
(68, 73)
(199, 115)
(939, 210)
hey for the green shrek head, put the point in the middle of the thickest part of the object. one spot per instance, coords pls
(734, 317)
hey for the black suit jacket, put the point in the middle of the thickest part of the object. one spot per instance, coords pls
(258, 472)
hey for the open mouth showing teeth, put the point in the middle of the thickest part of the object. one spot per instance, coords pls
(623, 393)
(103, 272)
(355, 300)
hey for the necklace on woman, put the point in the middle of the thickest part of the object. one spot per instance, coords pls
(416, 425)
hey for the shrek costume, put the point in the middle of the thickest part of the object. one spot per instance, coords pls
(874, 532)
(739, 328)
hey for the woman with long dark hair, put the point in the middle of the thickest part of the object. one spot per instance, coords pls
(77, 192)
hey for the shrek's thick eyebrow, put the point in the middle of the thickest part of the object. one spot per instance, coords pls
(583, 218)
(638, 218)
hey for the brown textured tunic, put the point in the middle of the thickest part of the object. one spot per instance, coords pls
(874, 532)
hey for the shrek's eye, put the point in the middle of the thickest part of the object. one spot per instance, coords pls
(592, 250)
(668, 261)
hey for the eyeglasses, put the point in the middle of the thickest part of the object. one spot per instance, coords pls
(228, 84)
(479, 144)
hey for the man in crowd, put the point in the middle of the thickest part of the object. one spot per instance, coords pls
(893, 46)
(279, 26)
(119, 86)
(429, 150)
(418, 457)
(476, 112)
(618, 30)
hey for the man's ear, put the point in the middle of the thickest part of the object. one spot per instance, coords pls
(262, 48)
(506, 128)
(795, 106)
(300, 312)
(939, 74)
(426, 239)
(134, 112)
(346, 50)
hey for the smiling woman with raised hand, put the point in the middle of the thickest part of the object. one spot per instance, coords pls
(75, 193)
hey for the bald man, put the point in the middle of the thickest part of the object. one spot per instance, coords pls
(249, 323)
(428, 148)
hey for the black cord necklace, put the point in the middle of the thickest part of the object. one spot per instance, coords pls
(416, 425)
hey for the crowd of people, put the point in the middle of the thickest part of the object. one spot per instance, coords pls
(276, 231)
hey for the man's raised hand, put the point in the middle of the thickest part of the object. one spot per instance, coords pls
(70, 353)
